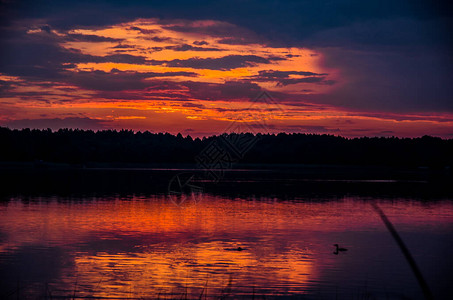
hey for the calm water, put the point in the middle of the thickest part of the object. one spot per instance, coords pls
(148, 247)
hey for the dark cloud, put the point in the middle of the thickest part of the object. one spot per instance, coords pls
(272, 74)
(155, 49)
(193, 105)
(100, 80)
(90, 38)
(285, 22)
(282, 78)
(46, 28)
(307, 128)
(235, 41)
(391, 81)
(386, 34)
(37, 59)
(159, 39)
(230, 90)
(120, 58)
(5, 86)
(223, 63)
(216, 29)
(57, 123)
(407, 117)
(145, 31)
(158, 89)
(42, 57)
(227, 32)
(200, 43)
(317, 80)
(119, 80)
(121, 46)
(186, 47)
(294, 55)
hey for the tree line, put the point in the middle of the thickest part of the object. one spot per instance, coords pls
(76, 146)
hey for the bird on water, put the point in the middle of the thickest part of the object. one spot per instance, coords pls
(338, 249)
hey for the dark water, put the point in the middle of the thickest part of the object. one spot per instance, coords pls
(145, 246)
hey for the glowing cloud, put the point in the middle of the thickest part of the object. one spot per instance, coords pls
(181, 76)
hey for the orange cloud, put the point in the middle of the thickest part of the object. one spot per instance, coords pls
(198, 75)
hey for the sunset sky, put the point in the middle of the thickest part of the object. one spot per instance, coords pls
(350, 68)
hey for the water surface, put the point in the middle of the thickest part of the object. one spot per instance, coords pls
(145, 246)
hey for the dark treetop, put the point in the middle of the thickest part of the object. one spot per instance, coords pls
(126, 146)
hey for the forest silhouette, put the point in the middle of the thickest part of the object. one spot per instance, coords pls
(76, 146)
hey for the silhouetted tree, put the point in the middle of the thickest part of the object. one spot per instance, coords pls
(126, 146)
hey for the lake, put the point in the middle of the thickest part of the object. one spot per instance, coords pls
(124, 245)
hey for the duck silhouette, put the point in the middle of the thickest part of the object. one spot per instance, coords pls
(235, 249)
(338, 249)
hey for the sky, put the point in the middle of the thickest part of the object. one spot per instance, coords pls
(346, 67)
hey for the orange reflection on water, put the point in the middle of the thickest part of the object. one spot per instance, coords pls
(146, 246)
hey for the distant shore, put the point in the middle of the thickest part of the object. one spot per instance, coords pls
(86, 148)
